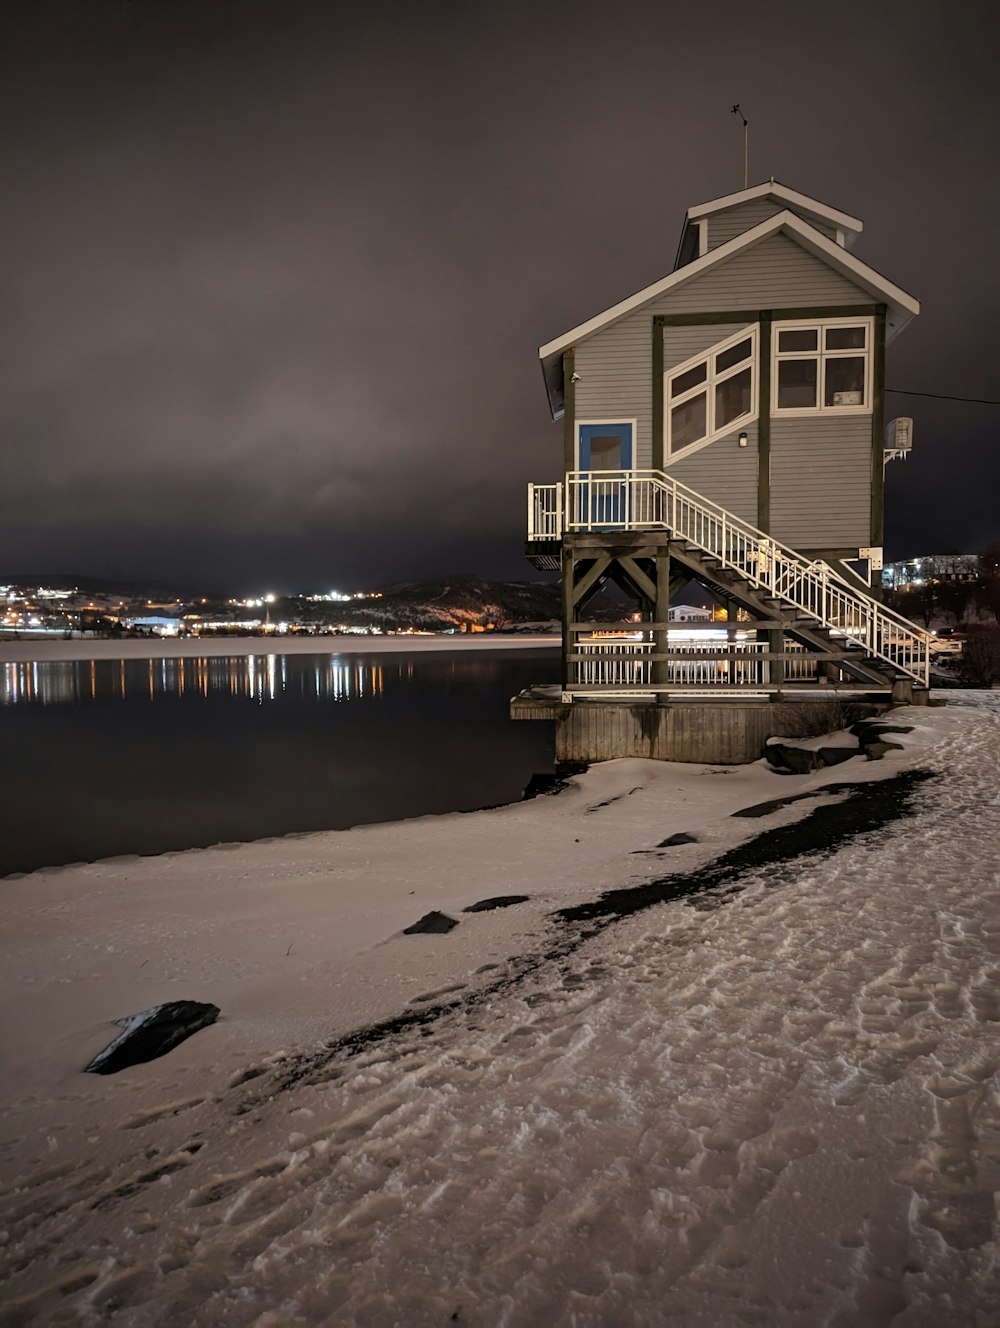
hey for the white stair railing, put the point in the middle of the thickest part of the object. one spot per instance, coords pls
(545, 515)
(650, 499)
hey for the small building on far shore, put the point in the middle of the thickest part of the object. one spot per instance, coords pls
(688, 613)
(157, 623)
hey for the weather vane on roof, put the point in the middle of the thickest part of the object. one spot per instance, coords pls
(746, 145)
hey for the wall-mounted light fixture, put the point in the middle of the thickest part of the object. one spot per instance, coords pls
(744, 440)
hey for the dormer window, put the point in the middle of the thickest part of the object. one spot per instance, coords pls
(824, 367)
(712, 392)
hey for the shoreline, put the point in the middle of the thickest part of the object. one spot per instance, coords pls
(45, 650)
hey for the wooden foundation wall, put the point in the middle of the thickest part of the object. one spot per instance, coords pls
(721, 733)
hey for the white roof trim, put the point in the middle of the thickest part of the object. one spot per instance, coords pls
(810, 237)
(841, 220)
(866, 276)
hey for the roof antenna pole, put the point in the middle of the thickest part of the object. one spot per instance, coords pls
(746, 145)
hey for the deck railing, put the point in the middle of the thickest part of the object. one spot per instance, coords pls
(627, 663)
(650, 500)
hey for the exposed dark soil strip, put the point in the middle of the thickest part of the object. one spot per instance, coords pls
(766, 808)
(866, 808)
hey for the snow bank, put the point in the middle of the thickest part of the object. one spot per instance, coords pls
(776, 1106)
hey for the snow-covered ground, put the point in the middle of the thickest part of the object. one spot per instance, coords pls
(772, 1101)
(175, 647)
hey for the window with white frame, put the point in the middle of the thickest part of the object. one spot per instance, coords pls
(711, 392)
(823, 367)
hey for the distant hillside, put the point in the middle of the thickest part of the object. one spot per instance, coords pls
(444, 602)
(455, 602)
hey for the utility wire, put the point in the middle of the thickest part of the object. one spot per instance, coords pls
(941, 396)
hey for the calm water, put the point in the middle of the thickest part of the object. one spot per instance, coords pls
(140, 756)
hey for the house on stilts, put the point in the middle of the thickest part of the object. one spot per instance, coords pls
(726, 425)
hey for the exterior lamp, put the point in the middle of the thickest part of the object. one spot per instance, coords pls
(743, 440)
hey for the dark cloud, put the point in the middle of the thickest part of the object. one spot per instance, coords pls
(274, 272)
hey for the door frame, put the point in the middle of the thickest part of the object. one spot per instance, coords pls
(631, 424)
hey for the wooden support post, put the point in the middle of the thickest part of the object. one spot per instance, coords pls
(661, 614)
(568, 643)
(775, 646)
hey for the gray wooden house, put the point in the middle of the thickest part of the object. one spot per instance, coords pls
(726, 424)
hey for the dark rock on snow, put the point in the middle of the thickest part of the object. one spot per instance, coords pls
(799, 760)
(496, 901)
(433, 923)
(872, 744)
(877, 748)
(865, 728)
(836, 755)
(152, 1033)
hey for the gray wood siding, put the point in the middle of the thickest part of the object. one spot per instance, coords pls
(723, 226)
(821, 481)
(683, 343)
(776, 273)
(615, 369)
(724, 472)
(615, 364)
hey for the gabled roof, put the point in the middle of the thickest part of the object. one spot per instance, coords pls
(772, 189)
(901, 306)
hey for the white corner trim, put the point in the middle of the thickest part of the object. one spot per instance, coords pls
(810, 238)
(772, 189)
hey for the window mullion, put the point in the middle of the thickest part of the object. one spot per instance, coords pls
(688, 395)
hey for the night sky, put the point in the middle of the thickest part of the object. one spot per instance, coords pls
(273, 273)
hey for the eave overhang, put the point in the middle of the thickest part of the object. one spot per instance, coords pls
(900, 305)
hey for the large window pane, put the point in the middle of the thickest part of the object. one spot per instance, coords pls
(798, 338)
(732, 398)
(796, 383)
(845, 381)
(688, 380)
(687, 422)
(845, 338)
(734, 355)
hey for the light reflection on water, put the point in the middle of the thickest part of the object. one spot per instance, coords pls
(253, 677)
(146, 756)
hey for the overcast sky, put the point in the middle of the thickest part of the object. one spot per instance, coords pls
(273, 273)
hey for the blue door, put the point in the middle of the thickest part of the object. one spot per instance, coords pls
(603, 501)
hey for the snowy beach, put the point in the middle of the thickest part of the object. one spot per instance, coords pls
(759, 1088)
